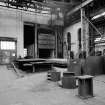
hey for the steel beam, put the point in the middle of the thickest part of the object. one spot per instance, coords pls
(79, 7)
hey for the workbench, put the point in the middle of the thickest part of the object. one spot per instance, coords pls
(34, 63)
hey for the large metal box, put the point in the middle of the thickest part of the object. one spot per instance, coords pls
(76, 66)
(55, 75)
(94, 65)
(68, 80)
(85, 86)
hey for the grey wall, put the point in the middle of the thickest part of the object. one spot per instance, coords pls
(12, 24)
(73, 29)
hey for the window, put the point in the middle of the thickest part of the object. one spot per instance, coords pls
(7, 45)
(71, 54)
(69, 40)
(79, 38)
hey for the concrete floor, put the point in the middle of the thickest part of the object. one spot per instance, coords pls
(35, 89)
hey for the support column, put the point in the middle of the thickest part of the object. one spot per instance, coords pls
(87, 37)
(84, 32)
(36, 43)
(56, 40)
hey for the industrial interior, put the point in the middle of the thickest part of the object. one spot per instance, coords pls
(52, 52)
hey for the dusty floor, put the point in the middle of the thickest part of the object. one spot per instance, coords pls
(35, 89)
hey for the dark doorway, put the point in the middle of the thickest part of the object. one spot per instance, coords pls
(29, 31)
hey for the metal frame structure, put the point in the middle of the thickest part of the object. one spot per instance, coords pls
(27, 5)
(36, 5)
